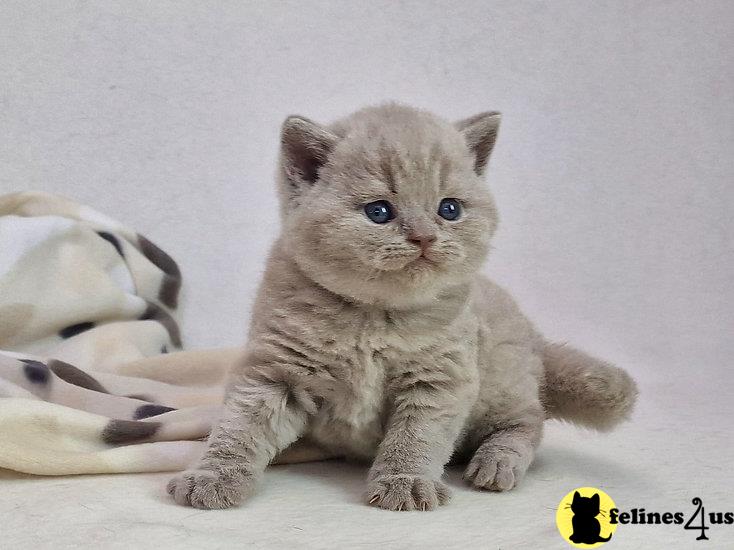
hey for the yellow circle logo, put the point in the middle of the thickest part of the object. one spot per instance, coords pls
(583, 517)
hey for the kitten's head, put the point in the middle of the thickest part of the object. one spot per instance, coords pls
(387, 206)
(585, 506)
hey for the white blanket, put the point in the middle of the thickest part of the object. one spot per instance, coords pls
(92, 378)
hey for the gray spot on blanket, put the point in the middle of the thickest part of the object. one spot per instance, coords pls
(119, 432)
(72, 375)
(73, 330)
(156, 313)
(35, 371)
(110, 238)
(146, 411)
(168, 293)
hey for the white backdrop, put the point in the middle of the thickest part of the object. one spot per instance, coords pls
(613, 172)
(614, 177)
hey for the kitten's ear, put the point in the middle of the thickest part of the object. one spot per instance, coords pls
(480, 133)
(576, 496)
(595, 499)
(305, 147)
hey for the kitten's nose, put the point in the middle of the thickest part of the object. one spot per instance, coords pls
(422, 239)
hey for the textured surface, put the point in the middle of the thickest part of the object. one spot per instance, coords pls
(87, 327)
(612, 175)
(668, 456)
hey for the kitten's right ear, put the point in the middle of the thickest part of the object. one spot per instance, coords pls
(305, 146)
(576, 496)
(480, 134)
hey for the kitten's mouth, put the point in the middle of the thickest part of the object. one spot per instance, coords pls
(422, 261)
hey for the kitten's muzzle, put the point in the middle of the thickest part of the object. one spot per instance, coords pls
(423, 240)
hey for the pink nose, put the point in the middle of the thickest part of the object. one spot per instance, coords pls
(424, 241)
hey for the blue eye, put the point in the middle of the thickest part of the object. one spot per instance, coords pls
(379, 211)
(449, 209)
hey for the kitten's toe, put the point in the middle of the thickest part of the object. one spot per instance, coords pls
(407, 492)
(496, 469)
(207, 490)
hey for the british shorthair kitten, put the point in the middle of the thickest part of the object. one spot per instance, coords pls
(375, 338)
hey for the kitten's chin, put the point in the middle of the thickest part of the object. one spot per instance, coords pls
(410, 287)
(369, 286)
(413, 263)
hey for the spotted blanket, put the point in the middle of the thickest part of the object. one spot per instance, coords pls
(92, 376)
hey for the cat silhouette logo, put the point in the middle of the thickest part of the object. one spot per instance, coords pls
(583, 517)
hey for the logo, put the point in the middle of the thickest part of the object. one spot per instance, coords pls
(583, 517)
(587, 517)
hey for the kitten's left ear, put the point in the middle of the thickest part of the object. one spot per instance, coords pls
(480, 133)
(305, 146)
(595, 499)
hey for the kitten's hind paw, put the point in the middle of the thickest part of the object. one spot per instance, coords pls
(208, 490)
(407, 492)
(496, 468)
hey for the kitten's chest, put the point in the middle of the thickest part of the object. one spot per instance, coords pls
(374, 349)
(352, 420)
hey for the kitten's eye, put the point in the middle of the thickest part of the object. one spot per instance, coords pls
(449, 209)
(379, 211)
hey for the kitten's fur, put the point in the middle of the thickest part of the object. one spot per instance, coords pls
(370, 351)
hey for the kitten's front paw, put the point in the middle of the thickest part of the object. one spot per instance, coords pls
(496, 468)
(208, 490)
(407, 492)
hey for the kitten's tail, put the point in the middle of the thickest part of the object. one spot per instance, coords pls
(584, 390)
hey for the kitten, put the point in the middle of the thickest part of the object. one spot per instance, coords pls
(586, 528)
(374, 336)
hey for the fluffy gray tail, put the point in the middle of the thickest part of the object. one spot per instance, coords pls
(584, 390)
